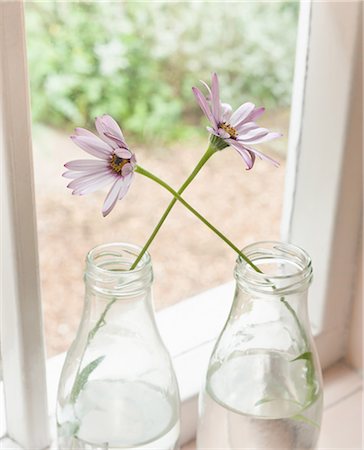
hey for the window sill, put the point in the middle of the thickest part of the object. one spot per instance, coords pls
(189, 330)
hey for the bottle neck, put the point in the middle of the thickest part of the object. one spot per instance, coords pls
(285, 269)
(108, 271)
(113, 290)
(276, 296)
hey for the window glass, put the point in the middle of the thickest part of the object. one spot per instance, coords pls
(138, 62)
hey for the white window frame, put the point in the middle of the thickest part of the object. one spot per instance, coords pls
(323, 173)
(22, 345)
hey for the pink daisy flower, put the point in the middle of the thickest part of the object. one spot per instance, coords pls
(236, 129)
(115, 163)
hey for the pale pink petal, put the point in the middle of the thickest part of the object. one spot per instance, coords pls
(133, 159)
(70, 174)
(94, 185)
(93, 146)
(212, 131)
(86, 164)
(127, 182)
(263, 138)
(88, 178)
(240, 115)
(253, 133)
(201, 100)
(252, 156)
(208, 89)
(223, 134)
(244, 153)
(246, 127)
(83, 132)
(255, 114)
(261, 155)
(112, 125)
(127, 169)
(112, 197)
(226, 111)
(215, 97)
(110, 131)
(115, 139)
(123, 153)
(77, 174)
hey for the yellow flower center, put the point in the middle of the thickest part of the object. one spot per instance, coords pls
(229, 129)
(118, 163)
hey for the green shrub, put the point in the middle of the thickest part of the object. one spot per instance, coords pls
(137, 60)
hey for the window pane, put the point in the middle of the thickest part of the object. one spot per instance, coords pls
(138, 62)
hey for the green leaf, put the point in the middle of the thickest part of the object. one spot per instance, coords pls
(82, 377)
(302, 418)
(307, 356)
(263, 400)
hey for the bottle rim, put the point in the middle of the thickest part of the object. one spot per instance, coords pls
(108, 269)
(106, 249)
(277, 254)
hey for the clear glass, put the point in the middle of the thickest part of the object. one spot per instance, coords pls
(118, 389)
(263, 388)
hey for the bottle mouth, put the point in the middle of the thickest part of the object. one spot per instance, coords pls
(108, 269)
(286, 268)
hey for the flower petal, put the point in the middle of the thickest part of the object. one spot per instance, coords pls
(255, 114)
(112, 196)
(115, 139)
(123, 153)
(127, 182)
(261, 155)
(215, 97)
(208, 89)
(212, 131)
(243, 152)
(240, 115)
(86, 164)
(93, 186)
(127, 169)
(113, 126)
(245, 127)
(88, 178)
(253, 132)
(262, 138)
(110, 131)
(226, 111)
(223, 134)
(83, 132)
(201, 100)
(70, 174)
(93, 146)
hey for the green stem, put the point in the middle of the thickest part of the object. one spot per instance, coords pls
(209, 152)
(149, 175)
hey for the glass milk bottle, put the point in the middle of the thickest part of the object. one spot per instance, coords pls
(263, 387)
(118, 389)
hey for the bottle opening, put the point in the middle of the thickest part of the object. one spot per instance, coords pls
(108, 269)
(117, 256)
(285, 268)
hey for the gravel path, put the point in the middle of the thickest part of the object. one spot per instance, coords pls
(187, 257)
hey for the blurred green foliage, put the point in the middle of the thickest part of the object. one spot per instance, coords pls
(138, 60)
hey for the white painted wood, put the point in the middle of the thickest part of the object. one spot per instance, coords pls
(317, 189)
(323, 192)
(21, 322)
